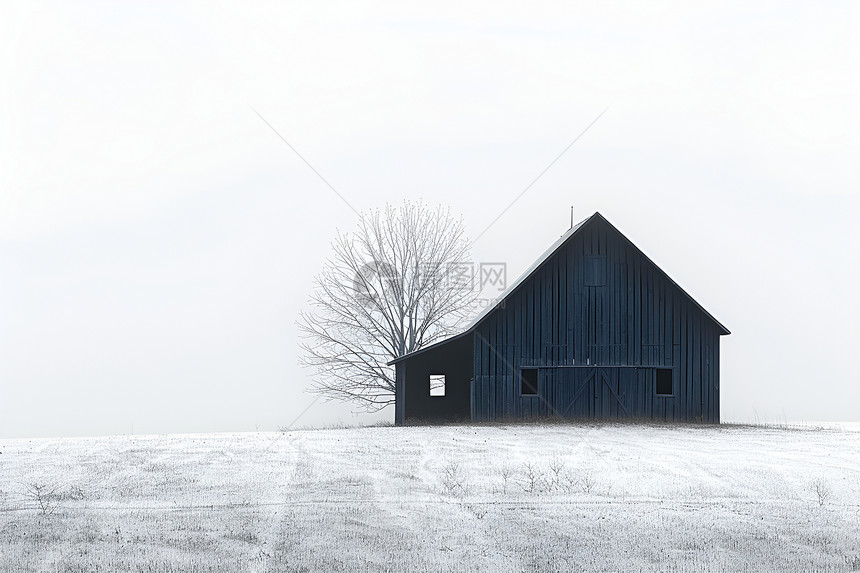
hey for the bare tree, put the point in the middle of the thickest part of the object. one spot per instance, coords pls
(390, 288)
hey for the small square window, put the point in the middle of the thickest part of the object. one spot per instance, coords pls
(437, 384)
(529, 382)
(664, 381)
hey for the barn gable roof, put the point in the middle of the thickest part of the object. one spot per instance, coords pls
(536, 265)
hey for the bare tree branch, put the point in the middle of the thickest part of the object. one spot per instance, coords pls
(385, 292)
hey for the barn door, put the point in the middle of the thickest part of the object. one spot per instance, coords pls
(594, 393)
(578, 399)
(611, 394)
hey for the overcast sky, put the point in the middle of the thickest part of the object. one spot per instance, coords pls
(157, 239)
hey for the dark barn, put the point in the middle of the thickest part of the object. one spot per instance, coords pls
(594, 329)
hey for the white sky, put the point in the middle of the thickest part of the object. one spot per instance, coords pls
(157, 240)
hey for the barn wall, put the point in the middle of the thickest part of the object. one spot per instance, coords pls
(597, 302)
(399, 393)
(454, 360)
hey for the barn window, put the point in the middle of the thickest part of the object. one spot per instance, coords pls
(528, 381)
(437, 384)
(664, 381)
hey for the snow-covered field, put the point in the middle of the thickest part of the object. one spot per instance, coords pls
(459, 498)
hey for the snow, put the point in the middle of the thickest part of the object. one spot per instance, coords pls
(528, 497)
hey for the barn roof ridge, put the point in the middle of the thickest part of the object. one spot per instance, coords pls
(535, 266)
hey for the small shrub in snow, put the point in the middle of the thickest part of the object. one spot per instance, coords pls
(822, 491)
(588, 482)
(533, 479)
(569, 483)
(452, 479)
(507, 472)
(557, 474)
(44, 495)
